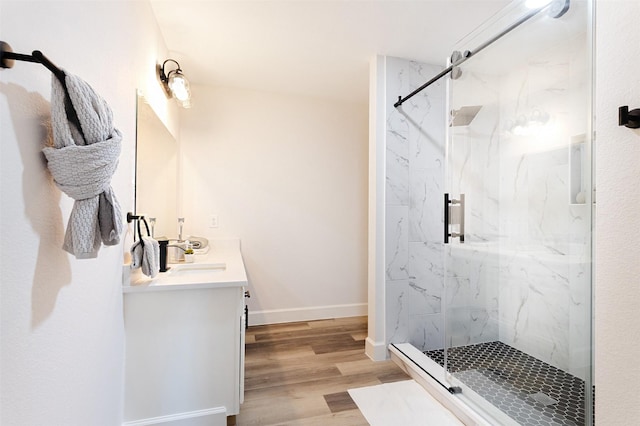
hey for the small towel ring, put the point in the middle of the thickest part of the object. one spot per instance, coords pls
(146, 225)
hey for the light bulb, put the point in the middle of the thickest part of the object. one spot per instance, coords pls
(179, 87)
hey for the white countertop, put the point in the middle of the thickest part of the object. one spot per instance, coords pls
(221, 267)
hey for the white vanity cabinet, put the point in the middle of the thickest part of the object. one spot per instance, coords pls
(185, 349)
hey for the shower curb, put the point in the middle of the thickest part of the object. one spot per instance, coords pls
(466, 414)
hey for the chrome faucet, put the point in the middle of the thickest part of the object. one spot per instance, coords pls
(152, 221)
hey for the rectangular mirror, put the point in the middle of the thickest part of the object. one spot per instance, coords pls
(156, 171)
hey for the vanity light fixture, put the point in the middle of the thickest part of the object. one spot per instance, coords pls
(175, 83)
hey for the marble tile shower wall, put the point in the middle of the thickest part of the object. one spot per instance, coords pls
(472, 298)
(415, 144)
(545, 272)
(524, 276)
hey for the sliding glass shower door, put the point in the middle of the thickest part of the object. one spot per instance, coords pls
(518, 220)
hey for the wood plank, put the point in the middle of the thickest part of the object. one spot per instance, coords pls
(290, 376)
(355, 367)
(261, 348)
(338, 343)
(311, 332)
(274, 328)
(301, 360)
(392, 376)
(314, 387)
(356, 354)
(333, 321)
(279, 410)
(294, 373)
(343, 418)
(362, 335)
(340, 401)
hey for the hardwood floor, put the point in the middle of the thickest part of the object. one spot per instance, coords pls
(299, 373)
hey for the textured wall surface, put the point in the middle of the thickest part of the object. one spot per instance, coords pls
(62, 327)
(617, 294)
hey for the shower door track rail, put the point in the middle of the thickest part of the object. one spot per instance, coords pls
(450, 389)
(562, 4)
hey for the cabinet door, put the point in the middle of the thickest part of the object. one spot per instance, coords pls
(183, 349)
(243, 325)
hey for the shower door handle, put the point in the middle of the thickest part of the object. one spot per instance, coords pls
(450, 203)
(446, 218)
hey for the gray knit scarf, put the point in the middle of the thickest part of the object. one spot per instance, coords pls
(82, 169)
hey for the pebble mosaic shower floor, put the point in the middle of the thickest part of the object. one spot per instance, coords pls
(525, 388)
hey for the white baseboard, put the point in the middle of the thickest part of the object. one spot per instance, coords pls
(376, 351)
(216, 416)
(276, 316)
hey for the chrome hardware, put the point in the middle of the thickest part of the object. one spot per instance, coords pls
(453, 215)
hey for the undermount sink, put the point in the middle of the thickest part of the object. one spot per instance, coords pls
(195, 268)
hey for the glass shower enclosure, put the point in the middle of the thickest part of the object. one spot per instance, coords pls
(517, 224)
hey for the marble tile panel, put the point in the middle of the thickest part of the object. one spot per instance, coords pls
(416, 126)
(534, 308)
(426, 332)
(397, 311)
(427, 137)
(426, 280)
(425, 297)
(548, 202)
(397, 242)
(405, 76)
(426, 215)
(471, 274)
(426, 261)
(467, 325)
(471, 295)
(397, 159)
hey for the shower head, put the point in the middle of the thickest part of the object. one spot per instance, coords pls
(464, 116)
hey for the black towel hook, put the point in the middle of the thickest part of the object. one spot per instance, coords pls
(630, 119)
(8, 56)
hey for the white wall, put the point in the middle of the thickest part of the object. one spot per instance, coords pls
(617, 296)
(375, 346)
(62, 327)
(288, 176)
